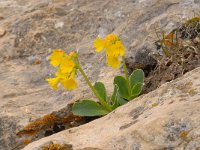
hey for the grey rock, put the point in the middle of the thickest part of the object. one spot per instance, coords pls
(161, 130)
(32, 28)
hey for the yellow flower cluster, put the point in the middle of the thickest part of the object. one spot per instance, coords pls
(113, 48)
(66, 71)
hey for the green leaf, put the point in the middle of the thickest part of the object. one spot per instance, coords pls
(100, 88)
(136, 90)
(123, 86)
(115, 97)
(88, 108)
(137, 76)
(115, 94)
(122, 101)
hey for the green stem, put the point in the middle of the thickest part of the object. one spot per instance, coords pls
(104, 104)
(125, 69)
(126, 75)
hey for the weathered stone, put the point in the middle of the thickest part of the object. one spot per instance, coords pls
(35, 26)
(2, 32)
(171, 124)
(1, 17)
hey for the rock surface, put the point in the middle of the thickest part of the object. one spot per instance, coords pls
(29, 29)
(167, 118)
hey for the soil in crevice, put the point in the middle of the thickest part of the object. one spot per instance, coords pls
(176, 54)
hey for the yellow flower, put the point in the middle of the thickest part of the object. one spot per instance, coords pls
(56, 57)
(67, 81)
(69, 84)
(119, 47)
(66, 71)
(111, 39)
(67, 64)
(113, 48)
(113, 62)
(53, 82)
(99, 44)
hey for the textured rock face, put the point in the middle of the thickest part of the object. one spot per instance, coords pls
(29, 29)
(167, 118)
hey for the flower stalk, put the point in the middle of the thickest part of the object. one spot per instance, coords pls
(125, 68)
(93, 89)
(125, 88)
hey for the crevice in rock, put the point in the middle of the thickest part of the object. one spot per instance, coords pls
(160, 68)
(50, 124)
(157, 71)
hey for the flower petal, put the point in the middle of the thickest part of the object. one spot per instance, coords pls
(60, 75)
(111, 39)
(99, 44)
(111, 51)
(53, 82)
(67, 64)
(69, 84)
(113, 62)
(120, 48)
(56, 57)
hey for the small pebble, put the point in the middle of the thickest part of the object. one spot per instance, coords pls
(59, 25)
(37, 61)
(34, 60)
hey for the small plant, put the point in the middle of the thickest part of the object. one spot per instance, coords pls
(168, 42)
(180, 45)
(176, 52)
(173, 42)
(125, 88)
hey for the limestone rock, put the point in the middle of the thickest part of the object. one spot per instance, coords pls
(2, 32)
(1, 17)
(167, 118)
(34, 27)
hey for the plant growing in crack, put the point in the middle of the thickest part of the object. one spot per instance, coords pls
(180, 46)
(125, 88)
